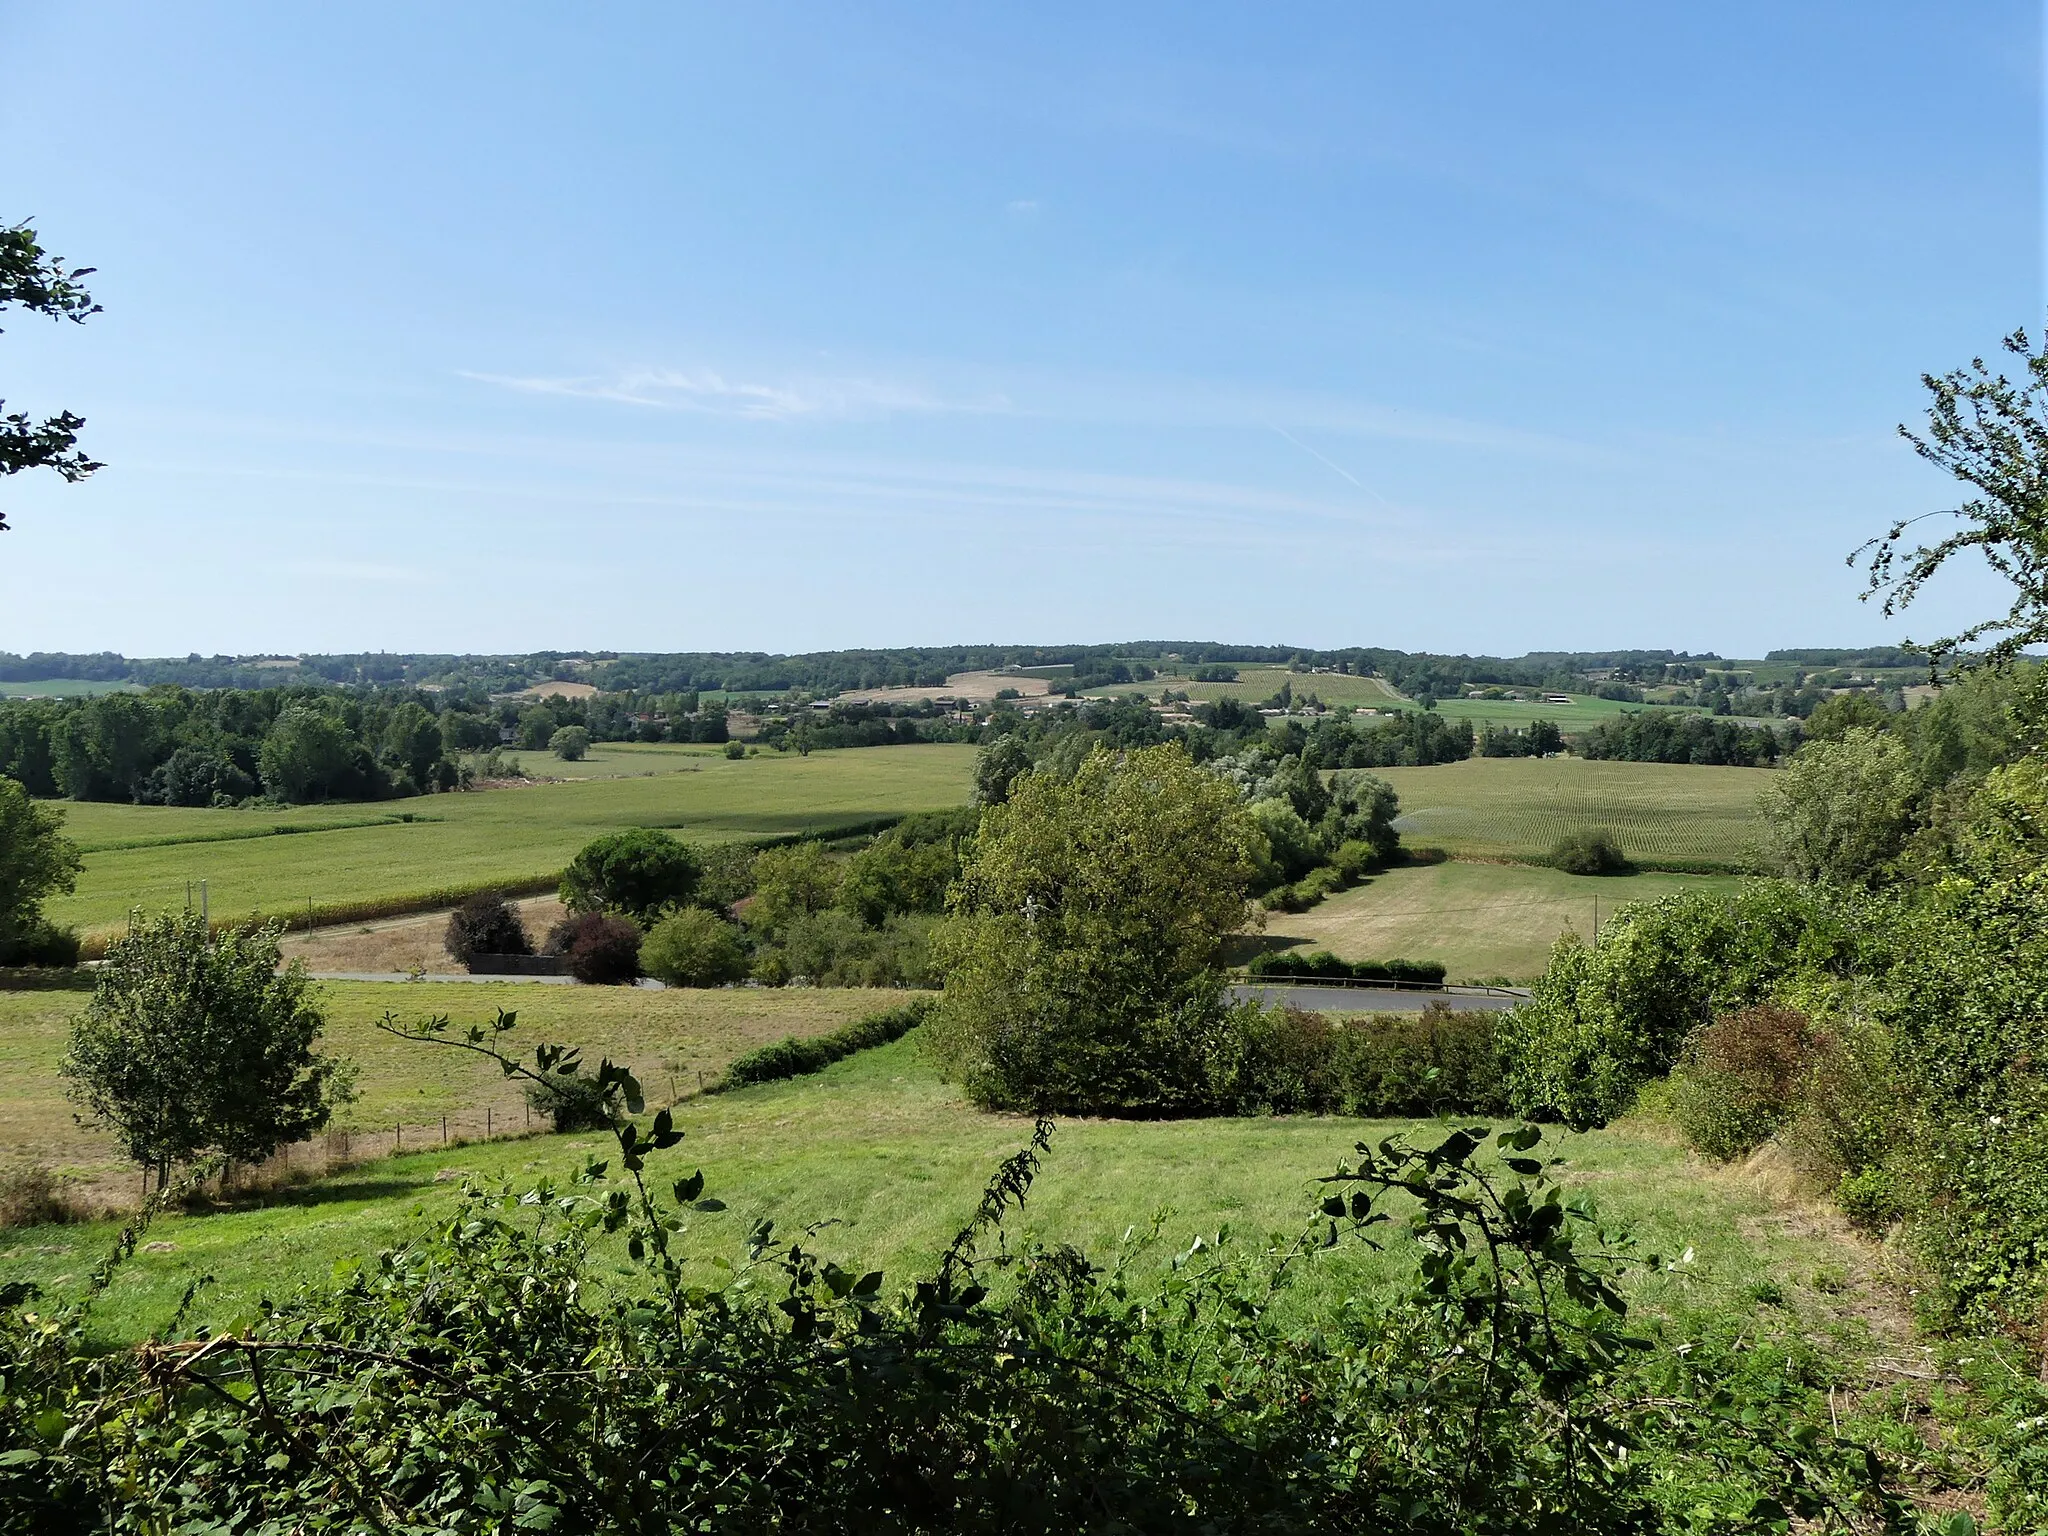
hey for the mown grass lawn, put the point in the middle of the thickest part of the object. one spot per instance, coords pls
(1519, 807)
(1481, 920)
(514, 835)
(894, 1160)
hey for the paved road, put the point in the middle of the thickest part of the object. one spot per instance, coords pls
(1374, 1000)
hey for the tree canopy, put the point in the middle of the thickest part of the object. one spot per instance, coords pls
(1088, 918)
(195, 1046)
(36, 861)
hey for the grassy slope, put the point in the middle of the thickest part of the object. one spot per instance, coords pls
(508, 834)
(1480, 920)
(666, 1037)
(896, 1159)
(1519, 807)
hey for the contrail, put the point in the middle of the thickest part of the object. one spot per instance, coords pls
(1333, 464)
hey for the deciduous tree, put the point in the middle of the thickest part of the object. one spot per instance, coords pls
(195, 1046)
(1087, 922)
(36, 861)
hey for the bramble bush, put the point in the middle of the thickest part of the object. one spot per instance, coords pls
(479, 1379)
(1741, 1079)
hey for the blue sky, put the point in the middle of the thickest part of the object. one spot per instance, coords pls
(1486, 328)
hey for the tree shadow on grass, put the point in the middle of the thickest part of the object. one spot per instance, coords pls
(313, 1193)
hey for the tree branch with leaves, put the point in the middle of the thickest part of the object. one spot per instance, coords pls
(33, 279)
(1991, 434)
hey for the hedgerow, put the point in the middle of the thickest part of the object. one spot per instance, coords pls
(799, 1055)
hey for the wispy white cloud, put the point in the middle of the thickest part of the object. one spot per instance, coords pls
(711, 393)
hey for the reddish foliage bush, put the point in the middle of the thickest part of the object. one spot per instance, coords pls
(598, 949)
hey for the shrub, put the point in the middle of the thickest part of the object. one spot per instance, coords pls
(694, 948)
(486, 924)
(797, 1055)
(638, 874)
(1277, 1061)
(574, 1103)
(1741, 1079)
(1324, 965)
(1588, 853)
(1422, 1063)
(43, 944)
(570, 743)
(735, 749)
(604, 951)
(1605, 1019)
(30, 1196)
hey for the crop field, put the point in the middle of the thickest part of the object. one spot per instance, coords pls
(895, 1160)
(1508, 807)
(1483, 921)
(667, 1037)
(146, 855)
(1256, 683)
(1583, 713)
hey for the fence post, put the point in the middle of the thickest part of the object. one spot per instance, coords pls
(487, 1122)
(444, 1130)
(397, 1136)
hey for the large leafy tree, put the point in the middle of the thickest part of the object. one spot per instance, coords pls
(195, 1046)
(1841, 810)
(38, 282)
(36, 861)
(639, 874)
(1992, 434)
(1087, 923)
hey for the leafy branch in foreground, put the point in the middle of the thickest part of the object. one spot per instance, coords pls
(40, 283)
(1992, 435)
(503, 1373)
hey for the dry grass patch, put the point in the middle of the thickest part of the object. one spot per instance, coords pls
(669, 1038)
(1480, 920)
(404, 944)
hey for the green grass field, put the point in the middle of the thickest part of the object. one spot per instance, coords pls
(1583, 713)
(503, 834)
(1509, 807)
(667, 1037)
(1256, 683)
(1481, 920)
(895, 1160)
(63, 688)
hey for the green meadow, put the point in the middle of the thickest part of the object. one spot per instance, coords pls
(1518, 807)
(893, 1159)
(1483, 921)
(147, 855)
